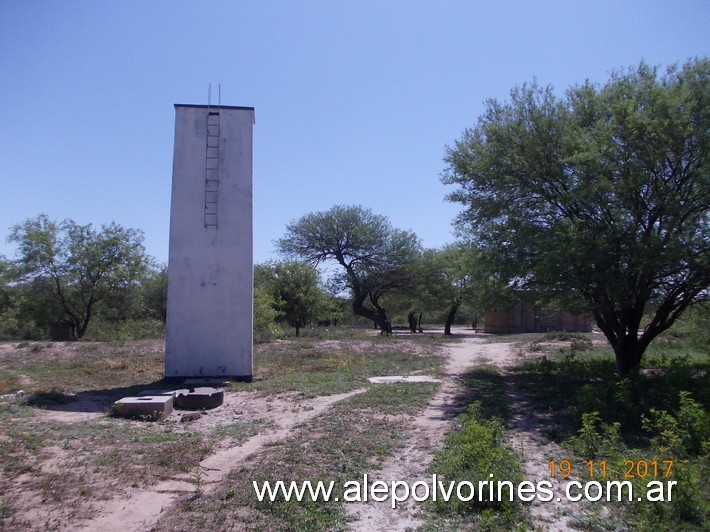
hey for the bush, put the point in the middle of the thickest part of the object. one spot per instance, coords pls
(477, 452)
(687, 433)
(681, 435)
(596, 438)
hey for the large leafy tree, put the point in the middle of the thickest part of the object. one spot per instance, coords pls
(599, 197)
(298, 294)
(375, 258)
(77, 266)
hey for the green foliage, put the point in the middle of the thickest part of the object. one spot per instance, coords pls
(290, 293)
(448, 280)
(154, 292)
(598, 198)
(477, 452)
(660, 413)
(596, 438)
(107, 330)
(692, 329)
(682, 437)
(6, 275)
(265, 315)
(686, 433)
(300, 300)
(68, 271)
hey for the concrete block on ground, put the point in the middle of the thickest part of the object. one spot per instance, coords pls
(150, 407)
(145, 393)
(203, 398)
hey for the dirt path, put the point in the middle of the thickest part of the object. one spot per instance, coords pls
(430, 429)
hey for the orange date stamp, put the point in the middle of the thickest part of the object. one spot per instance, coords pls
(598, 469)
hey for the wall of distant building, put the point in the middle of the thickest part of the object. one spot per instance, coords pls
(527, 317)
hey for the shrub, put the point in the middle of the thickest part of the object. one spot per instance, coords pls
(474, 453)
(685, 434)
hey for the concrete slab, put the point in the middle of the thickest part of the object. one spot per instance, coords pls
(391, 379)
(201, 398)
(150, 408)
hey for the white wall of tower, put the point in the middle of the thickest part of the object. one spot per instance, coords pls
(210, 268)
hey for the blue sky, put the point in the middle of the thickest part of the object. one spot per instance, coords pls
(355, 100)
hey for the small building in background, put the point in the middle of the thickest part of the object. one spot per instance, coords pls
(525, 316)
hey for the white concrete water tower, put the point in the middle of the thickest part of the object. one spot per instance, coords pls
(210, 266)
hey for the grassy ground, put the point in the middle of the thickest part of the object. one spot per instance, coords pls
(476, 451)
(659, 414)
(73, 466)
(354, 437)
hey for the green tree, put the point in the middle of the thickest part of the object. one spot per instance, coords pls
(8, 299)
(298, 295)
(76, 266)
(5, 289)
(599, 197)
(376, 258)
(266, 313)
(154, 291)
(447, 280)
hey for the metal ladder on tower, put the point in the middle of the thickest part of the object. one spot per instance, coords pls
(212, 168)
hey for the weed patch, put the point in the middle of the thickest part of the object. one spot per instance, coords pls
(476, 453)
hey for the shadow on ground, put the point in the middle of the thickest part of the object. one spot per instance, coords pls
(91, 401)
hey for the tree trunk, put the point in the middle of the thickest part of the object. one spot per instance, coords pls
(298, 331)
(377, 318)
(450, 317)
(386, 325)
(624, 339)
(359, 295)
(627, 358)
(412, 319)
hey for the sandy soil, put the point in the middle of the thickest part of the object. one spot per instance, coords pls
(142, 509)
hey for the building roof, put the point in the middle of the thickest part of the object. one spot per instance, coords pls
(214, 106)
